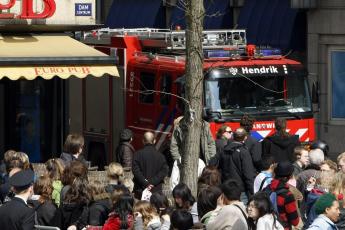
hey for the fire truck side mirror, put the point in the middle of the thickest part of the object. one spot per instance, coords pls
(315, 93)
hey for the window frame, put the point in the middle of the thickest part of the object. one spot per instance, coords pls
(163, 76)
(332, 120)
(154, 87)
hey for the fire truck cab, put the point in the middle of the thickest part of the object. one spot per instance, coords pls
(238, 79)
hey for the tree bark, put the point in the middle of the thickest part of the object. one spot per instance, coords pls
(191, 124)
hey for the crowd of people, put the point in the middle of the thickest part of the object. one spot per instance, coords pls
(276, 184)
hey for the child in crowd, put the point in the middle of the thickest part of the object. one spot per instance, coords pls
(42, 202)
(261, 214)
(210, 176)
(207, 202)
(115, 176)
(55, 168)
(327, 208)
(181, 220)
(146, 217)
(161, 203)
(74, 206)
(99, 207)
(122, 216)
(285, 201)
(184, 200)
(265, 177)
(302, 160)
(76, 169)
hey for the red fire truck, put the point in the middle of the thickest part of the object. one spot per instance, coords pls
(238, 79)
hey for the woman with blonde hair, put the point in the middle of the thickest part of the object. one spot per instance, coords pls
(146, 217)
(338, 185)
(115, 176)
(319, 186)
(338, 189)
(23, 157)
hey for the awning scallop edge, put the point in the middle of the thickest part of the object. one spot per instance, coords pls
(48, 72)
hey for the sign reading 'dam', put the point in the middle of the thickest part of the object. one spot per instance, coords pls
(83, 9)
(47, 12)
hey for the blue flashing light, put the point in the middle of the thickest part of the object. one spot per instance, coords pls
(217, 53)
(269, 52)
(223, 53)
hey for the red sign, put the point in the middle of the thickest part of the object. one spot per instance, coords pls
(27, 11)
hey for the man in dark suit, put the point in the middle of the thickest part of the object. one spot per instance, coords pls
(149, 167)
(15, 214)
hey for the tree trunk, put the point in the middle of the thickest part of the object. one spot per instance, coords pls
(193, 91)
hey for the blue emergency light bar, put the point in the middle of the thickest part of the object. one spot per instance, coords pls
(265, 52)
(223, 53)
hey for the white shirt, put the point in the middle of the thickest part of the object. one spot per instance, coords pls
(259, 178)
(175, 173)
(22, 198)
(266, 222)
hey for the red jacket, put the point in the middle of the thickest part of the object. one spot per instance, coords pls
(286, 203)
(114, 222)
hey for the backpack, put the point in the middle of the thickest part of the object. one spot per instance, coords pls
(273, 195)
(312, 197)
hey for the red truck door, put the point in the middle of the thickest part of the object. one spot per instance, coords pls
(141, 102)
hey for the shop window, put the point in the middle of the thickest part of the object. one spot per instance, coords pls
(147, 85)
(338, 84)
(166, 83)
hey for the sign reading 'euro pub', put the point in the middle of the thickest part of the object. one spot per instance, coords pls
(68, 12)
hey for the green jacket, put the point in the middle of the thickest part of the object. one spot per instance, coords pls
(57, 186)
(208, 146)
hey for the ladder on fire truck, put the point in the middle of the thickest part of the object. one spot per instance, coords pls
(171, 40)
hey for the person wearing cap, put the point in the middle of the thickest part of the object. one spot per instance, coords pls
(124, 151)
(286, 203)
(327, 207)
(15, 214)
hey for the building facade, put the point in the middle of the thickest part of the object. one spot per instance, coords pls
(326, 66)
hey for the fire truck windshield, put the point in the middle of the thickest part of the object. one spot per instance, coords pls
(226, 92)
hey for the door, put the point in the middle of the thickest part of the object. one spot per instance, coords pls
(142, 103)
(33, 114)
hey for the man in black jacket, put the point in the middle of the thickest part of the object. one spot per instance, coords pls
(254, 147)
(15, 214)
(149, 167)
(281, 144)
(236, 163)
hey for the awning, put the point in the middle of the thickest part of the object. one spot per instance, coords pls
(268, 22)
(30, 56)
(218, 15)
(136, 14)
